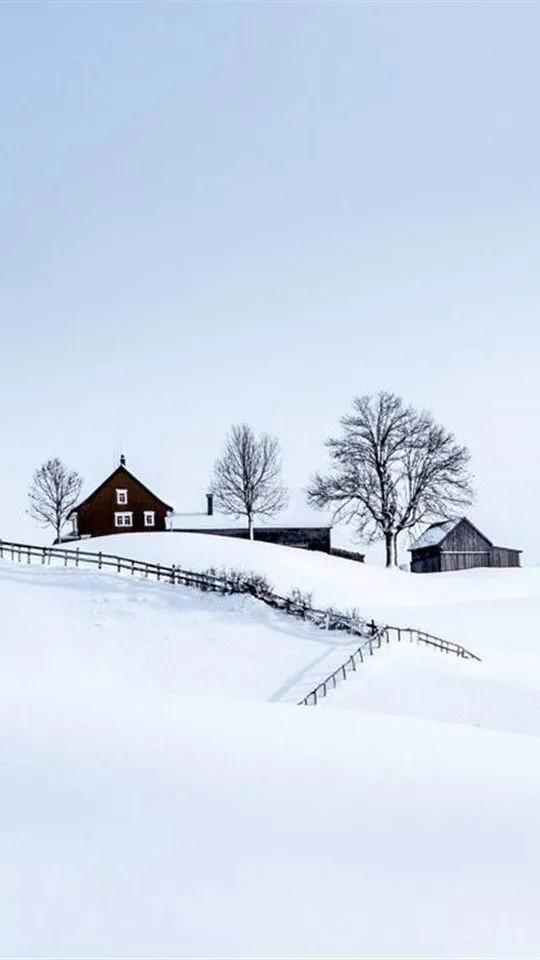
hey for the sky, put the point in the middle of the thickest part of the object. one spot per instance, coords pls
(215, 212)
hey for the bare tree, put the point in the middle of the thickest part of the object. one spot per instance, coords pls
(247, 476)
(393, 468)
(53, 494)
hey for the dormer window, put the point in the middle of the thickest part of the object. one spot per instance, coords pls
(121, 497)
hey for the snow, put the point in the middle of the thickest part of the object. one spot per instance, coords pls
(162, 795)
(434, 534)
(169, 827)
(494, 613)
(220, 521)
(89, 629)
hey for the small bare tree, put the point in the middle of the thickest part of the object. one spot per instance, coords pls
(247, 476)
(393, 468)
(53, 494)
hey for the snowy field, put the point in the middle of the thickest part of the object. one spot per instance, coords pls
(161, 794)
(95, 630)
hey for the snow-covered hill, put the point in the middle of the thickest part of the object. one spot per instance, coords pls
(154, 805)
(92, 630)
(495, 613)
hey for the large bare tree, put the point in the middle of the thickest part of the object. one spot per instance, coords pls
(393, 468)
(53, 493)
(247, 475)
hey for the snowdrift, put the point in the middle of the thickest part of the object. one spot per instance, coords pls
(153, 826)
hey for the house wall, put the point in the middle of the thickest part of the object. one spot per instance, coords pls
(306, 538)
(96, 518)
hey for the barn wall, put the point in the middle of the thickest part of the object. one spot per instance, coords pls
(426, 561)
(96, 518)
(465, 561)
(306, 538)
(503, 557)
(465, 539)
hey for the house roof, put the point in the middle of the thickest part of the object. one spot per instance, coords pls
(121, 468)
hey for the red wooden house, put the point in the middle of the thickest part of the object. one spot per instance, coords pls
(121, 504)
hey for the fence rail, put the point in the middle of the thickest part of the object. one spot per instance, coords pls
(380, 636)
(294, 605)
(373, 635)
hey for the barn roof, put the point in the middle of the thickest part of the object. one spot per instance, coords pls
(296, 515)
(435, 534)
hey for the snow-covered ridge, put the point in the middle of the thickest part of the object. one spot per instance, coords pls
(147, 788)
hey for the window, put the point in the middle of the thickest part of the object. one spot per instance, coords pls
(121, 497)
(123, 519)
(149, 518)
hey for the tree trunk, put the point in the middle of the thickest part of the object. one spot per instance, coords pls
(389, 544)
(250, 527)
(395, 550)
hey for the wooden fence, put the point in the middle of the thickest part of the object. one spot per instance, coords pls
(373, 635)
(379, 636)
(294, 605)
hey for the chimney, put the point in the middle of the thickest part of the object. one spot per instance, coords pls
(122, 461)
(210, 504)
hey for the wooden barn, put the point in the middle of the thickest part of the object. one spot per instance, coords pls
(458, 545)
(121, 504)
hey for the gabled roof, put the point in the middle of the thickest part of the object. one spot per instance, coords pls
(437, 532)
(124, 470)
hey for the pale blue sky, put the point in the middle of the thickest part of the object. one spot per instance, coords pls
(214, 212)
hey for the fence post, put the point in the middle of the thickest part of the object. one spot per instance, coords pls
(77, 557)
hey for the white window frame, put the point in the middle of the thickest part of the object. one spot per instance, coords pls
(124, 519)
(152, 515)
(122, 497)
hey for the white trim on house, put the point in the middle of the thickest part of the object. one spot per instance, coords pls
(121, 497)
(149, 518)
(123, 519)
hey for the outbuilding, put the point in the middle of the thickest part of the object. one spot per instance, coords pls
(458, 545)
